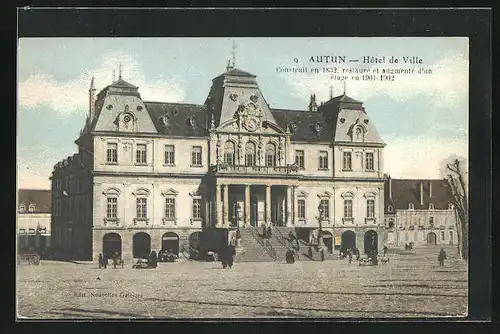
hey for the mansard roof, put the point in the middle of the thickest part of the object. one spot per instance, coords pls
(122, 84)
(40, 198)
(178, 119)
(406, 191)
(343, 99)
(302, 125)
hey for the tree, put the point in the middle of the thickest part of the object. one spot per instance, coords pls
(458, 185)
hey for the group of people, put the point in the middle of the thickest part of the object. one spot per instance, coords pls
(226, 256)
(267, 232)
(104, 260)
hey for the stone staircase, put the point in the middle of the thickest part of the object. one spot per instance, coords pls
(251, 250)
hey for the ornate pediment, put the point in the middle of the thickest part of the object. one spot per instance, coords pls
(249, 117)
(170, 192)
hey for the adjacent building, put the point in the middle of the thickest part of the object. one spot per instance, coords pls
(160, 175)
(33, 220)
(419, 211)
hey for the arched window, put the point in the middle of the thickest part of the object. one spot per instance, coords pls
(250, 154)
(390, 208)
(431, 206)
(270, 155)
(411, 206)
(359, 134)
(229, 153)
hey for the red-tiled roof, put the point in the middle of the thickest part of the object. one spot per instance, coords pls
(41, 199)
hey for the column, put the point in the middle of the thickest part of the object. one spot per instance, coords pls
(226, 205)
(288, 206)
(218, 205)
(247, 204)
(294, 205)
(268, 204)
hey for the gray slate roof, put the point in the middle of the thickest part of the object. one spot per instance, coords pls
(41, 199)
(406, 191)
(178, 116)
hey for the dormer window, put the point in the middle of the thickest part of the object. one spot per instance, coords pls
(431, 206)
(390, 208)
(411, 206)
(22, 208)
(31, 208)
(450, 206)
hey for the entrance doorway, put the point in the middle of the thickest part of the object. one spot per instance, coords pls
(111, 244)
(170, 241)
(254, 210)
(328, 241)
(141, 245)
(371, 242)
(348, 240)
(431, 238)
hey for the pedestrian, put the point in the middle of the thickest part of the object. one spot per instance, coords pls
(441, 257)
(350, 256)
(322, 252)
(290, 258)
(357, 254)
(310, 252)
(291, 236)
(269, 231)
(153, 259)
(223, 257)
(231, 255)
(115, 260)
(385, 250)
(105, 260)
(100, 260)
(264, 231)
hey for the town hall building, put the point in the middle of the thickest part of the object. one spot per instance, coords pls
(160, 175)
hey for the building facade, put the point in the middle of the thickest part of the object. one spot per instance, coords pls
(419, 211)
(159, 175)
(33, 220)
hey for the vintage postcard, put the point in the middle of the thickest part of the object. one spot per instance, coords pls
(207, 178)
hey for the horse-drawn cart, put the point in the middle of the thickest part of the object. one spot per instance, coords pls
(28, 259)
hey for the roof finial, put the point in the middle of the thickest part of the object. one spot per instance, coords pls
(345, 83)
(228, 67)
(234, 54)
(114, 75)
(331, 92)
(92, 87)
(120, 71)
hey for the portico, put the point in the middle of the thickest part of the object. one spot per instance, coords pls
(242, 203)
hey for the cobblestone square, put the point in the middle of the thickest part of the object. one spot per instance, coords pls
(412, 285)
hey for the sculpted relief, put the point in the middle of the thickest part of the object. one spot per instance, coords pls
(249, 117)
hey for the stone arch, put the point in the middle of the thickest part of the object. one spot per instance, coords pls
(170, 242)
(111, 244)
(141, 245)
(348, 240)
(371, 242)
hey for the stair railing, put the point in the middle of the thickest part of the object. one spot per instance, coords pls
(281, 238)
(264, 243)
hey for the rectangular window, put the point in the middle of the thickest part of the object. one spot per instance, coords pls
(442, 235)
(196, 208)
(170, 208)
(347, 161)
(112, 208)
(169, 155)
(196, 156)
(370, 208)
(348, 208)
(299, 158)
(112, 153)
(369, 161)
(451, 235)
(141, 154)
(229, 158)
(142, 208)
(323, 160)
(324, 209)
(431, 221)
(301, 206)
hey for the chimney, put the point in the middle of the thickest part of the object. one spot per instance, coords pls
(91, 100)
(421, 193)
(430, 188)
(390, 187)
(313, 106)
